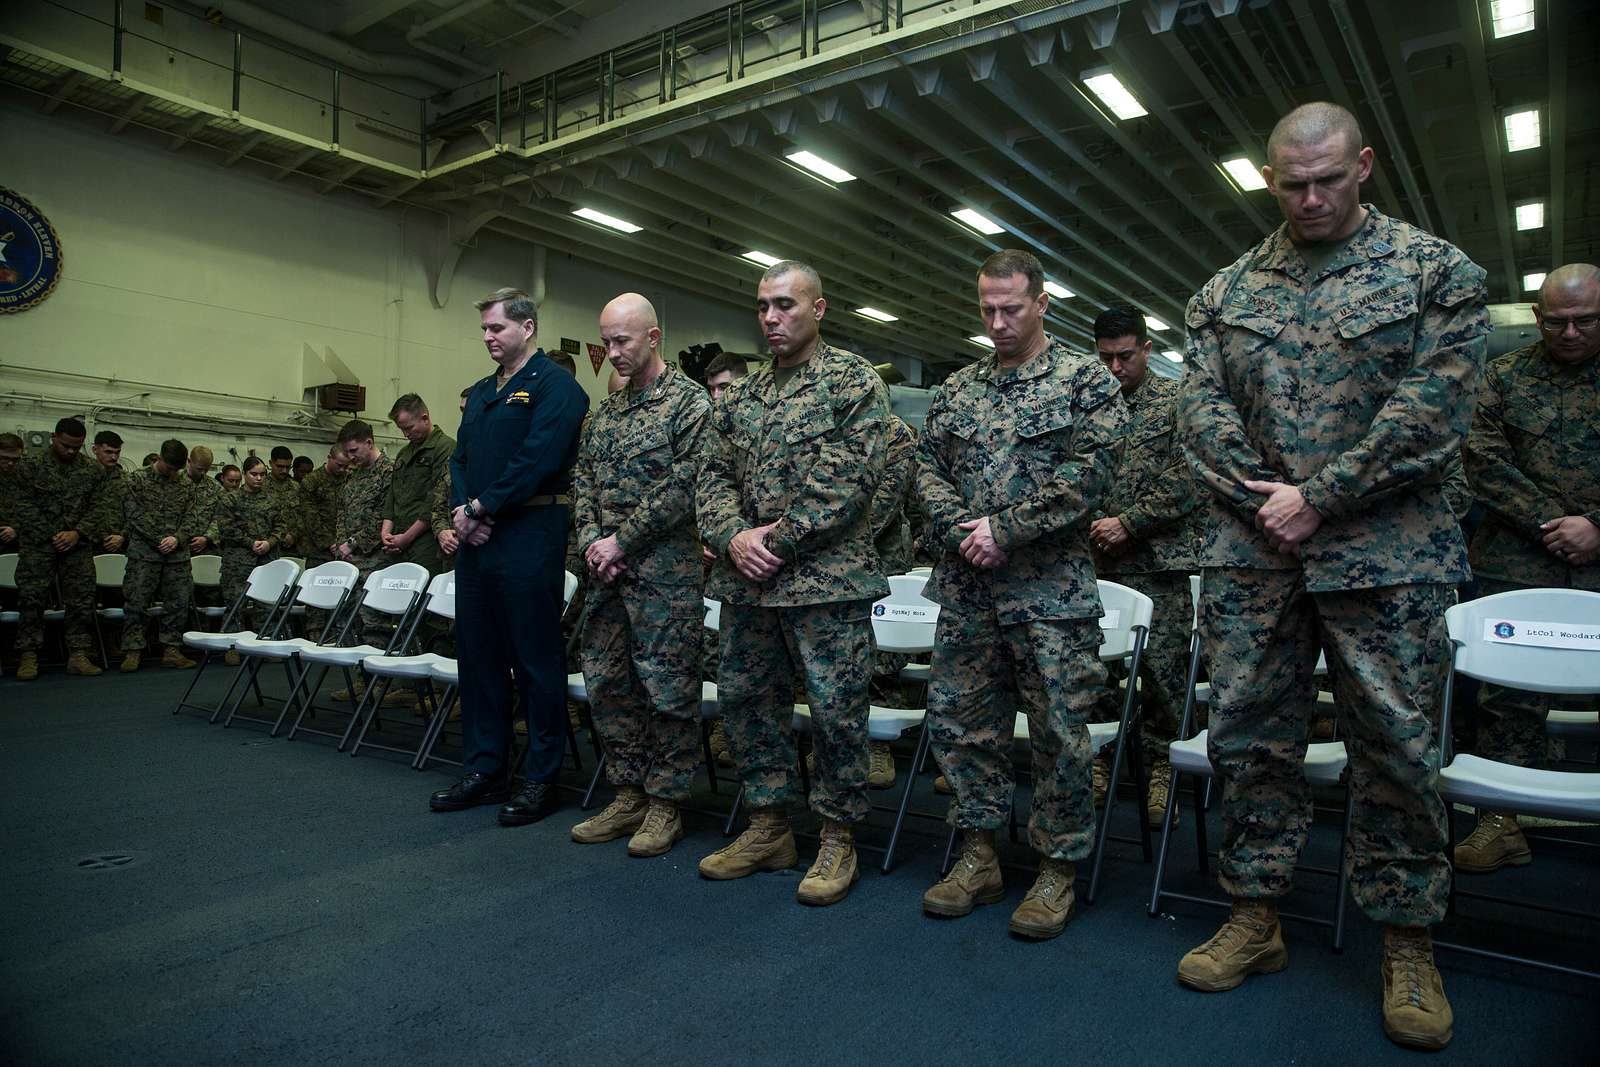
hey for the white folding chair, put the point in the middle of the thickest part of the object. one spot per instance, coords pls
(329, 587)
(1543, 641)
(110, 569)
(904, 623)
(269, 586)
(417, 669)
(1325, 765)
(207, 573)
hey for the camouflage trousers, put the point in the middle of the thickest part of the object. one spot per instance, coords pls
(237, 563)
(1048, 668)
(1388, 656)
(763, 650)
(1164, 667)
(38, 572)
(147, 580)
(1513, 725)
(641, 662)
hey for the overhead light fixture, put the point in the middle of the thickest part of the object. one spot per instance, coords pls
(1155, 324)
(608, 221)
(1114, 95)
(1059, 291)
(1530, 216)
(761, 258)
(1532, 282)
(1245, 174)
(1507, 18)
(875, 314)
(1522, 130)
(820, 167)
(982, 223)
(1174, 355)
(981, 341)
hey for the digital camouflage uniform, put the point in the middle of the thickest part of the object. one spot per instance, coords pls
(155, 507)
(440, 514)
(359, 522)
(1032, 448)
(1153, 496)
(891, 530)
(319, 509)
(54, 497)
(207, 503)
(108, 520)
(10, 493)
(1356, 385)
(1533, 455)
(807, 456)
(243, 518)
(287, 495)
(635, 479)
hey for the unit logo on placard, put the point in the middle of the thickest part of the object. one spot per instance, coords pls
(30, 254)
(1504, 630)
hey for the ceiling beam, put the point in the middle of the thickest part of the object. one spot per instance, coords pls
(340, 176)
(197, 122)
(64, 88)
(1233, 25)
(357, 15)
(244, 148)
(296, 161)
(1469, 15)
(130, 112)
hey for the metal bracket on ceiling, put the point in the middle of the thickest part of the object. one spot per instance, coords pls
(980, 62)
(1160, 15)
(742, 133)
(1101, 26)
(619, 164)
(696, 141)
(783, 119)
(826, 107)
(657, 152)
(875, 91)
(1039, 46)
(1220, 8)
(440, 277)
(925, 78)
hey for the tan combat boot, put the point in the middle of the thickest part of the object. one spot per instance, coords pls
(173, 657)
(1159, 795)
(975, 878)
(835, 870)
(1495, 842)
(661, 829)
(343, 695)
(720, 749)
(942, 786)
(130, 662)
(27, 666)
(768, 845)
(1044, 912)
(231, 659)
(79, 663)
(1100, 772)
(620, 818)
(400, 698)
(880, 769)
(1415, 1011)
(1250, 942)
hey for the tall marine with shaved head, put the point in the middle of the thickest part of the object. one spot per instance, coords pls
(1332, 374)
(784, 501)
(633, 508)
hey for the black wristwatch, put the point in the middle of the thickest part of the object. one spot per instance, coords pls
(468, 510)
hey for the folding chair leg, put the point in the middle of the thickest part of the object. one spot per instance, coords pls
(1202, 794)
(805, 775)
(310, 698)
(572, 744)
(296, 680)
(366, 710)
(253, 667)
(1104, 829)
(183, 702)
(430, 736)
(733, 813)
(1449, 844)
(924, 742)
(949, 853)
(711, 760)
(1344, 868)
(1166, 843)
(238, 676)
(594, 780)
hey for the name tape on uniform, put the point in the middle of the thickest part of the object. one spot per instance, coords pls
(904, 613)
(1111, 619)
(397, 583)
(1542, 634)
(326, 580)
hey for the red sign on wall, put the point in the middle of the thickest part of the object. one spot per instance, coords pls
(597, 356)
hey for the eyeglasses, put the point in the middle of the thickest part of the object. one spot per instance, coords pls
(1557, 327)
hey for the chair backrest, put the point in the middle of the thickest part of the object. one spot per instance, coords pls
(442, 595)
(269, 581)
(569, 589)
(1125, 611)
(1546, 640)
(905, 620)
(298, 561)
(394, 589)
(109, 569)
(1194, 601)
(8, 571)
(926, 572)
(207, 570)
(713, 614)
(326, 585)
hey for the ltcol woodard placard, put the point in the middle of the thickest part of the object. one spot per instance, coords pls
(30, 254)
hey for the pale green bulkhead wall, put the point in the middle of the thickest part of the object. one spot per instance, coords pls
(194, 290)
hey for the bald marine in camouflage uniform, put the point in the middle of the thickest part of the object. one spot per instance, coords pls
(56, 505)
(158, 513)
(787, 477)
(1533, 459)
(1145, 537)
(1331, 376)
(1016, 455)
(633, 509)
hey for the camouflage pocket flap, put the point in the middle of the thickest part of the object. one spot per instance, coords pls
(1042, 422)
(958, 424)
(1528, 416)
(811, 426)
(1257, 318)
(1367, 312)
(648, 438)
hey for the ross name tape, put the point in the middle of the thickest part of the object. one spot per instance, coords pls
(325, 580)
(1111, 619)
(397, 583)
(1542, 634)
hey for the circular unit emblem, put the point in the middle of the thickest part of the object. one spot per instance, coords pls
(30, 254)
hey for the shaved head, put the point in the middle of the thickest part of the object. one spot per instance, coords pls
(1568, 313)
(632, 308)
(1314, 124)
(631, 335)
(808, 277)
(1573, 279)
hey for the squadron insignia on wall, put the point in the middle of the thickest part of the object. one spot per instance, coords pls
(30, 254)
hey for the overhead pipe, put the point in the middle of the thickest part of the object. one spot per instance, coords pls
(416, 35)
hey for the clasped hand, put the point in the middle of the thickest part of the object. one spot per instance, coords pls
(1285, 518)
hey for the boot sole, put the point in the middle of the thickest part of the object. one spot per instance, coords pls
(621, 833)
(1515, 859)
(815, 901)
(652, 853)
(529, 819)
(1270, 963)
(956, 911)
(1044, 933)
(1426, 1042)
(775, 863)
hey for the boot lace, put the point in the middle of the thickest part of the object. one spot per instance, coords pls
(1160, 784)
(1489, 827)
(1409, 960)
(1049, 882)
(1234, 933)
(656, 820)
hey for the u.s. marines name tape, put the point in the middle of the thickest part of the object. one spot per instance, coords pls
(30, 254)
(1584, 636)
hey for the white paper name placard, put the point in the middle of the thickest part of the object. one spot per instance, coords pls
(905, 613)
(398, 583)
(324, 581)
(1542, 634)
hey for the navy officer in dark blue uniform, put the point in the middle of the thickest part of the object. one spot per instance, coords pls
(510, 478)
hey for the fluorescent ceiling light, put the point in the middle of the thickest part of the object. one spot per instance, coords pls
(1174, 355)
(1059, 291)
(1530, 216)
(1510, 17)
(981, 341)
(982, 223)
(874, 313)
(1153, 323)
(1114, 95)
(1522, 130)
(610, 221)
(761, 258)
(1245, 174)
(820, 167)
(1531, 282)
